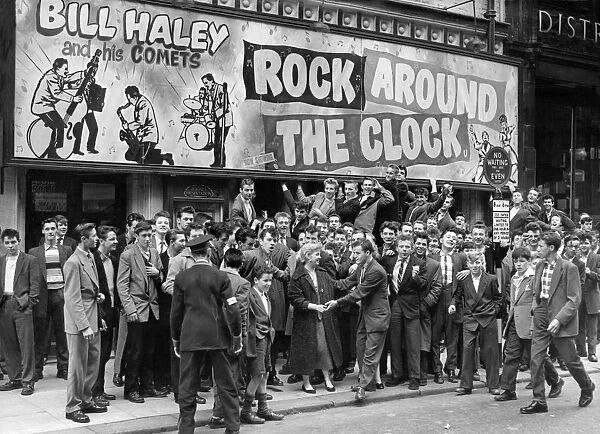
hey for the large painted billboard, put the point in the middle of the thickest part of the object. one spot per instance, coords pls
(130, 83)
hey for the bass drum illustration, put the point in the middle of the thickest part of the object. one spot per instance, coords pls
(38, 137)
(197, 136)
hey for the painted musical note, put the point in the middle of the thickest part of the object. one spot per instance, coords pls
(103, 131)
(171, 123)
(111, 150)
(19, 110)
(19, 149)
(23, 85)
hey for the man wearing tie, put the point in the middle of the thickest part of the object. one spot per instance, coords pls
(454, 268)
(162, 221)
(557, 293)
(370, 284)
(242, 207)
(480, 297)
(138, 281)
(61, 234)
(81, 325)
(405, 328)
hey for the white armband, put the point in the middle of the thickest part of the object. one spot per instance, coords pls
(231, 300)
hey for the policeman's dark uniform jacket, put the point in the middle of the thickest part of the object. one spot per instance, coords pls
(204, 317)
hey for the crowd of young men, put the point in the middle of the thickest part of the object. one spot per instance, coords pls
(428, 283)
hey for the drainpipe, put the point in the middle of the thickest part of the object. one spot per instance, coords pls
(490, 14)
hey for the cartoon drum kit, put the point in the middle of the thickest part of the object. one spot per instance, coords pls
(199, 125)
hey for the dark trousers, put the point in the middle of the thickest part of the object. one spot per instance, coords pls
(348, 322)
(588, 330)
(514, 353)
(565, 346)
(387, 347)
(488, 337)
(90, 122)
(234, 361)
(191, 364)
(443, 324)
(369, 346)
(162, 355)
(405, 336)
(56, 317)
(219, 145)
(84, 357)
(54, 121)
(277, 346)
(16, 336)
(140, 355)
(106, 343)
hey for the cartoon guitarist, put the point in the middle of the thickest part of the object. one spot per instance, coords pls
(51, 89)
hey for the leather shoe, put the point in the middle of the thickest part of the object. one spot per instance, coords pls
(273, 380)
(360, 394)
(349, 370)
(251, 419)
(535, 407)
(153, 393)
(294, 378)
(506, 395)
(216, 422)
(108, 396)
(62, 374)
(592, 358)
(316, 379)
(556, 389)
(27, 389)
(270, 415)
(118, 380)
(200, 400)
(476, 376)
(438, 378)
(423, 382)
(452, 376)
(523, 367)
(339, 376)
(495, 391)
(99, 400)
(394, 381)
(330, 389)
(77, 416)
(413, 384)
(94, 409)
(11, 385)
(135, 398)
(463, 391)
(529, 386)
(587, 396)
(309, 391)
(562, 365)
(204, 389)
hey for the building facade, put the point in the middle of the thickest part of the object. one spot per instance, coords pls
(163, 105)
(559, 98)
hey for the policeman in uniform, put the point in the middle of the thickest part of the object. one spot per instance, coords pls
(198, 293)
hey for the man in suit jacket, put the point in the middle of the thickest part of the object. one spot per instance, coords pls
(200, 293)
(61, 234)
(19, 289)
(108, 312)
(420, 208)
(517, 331)
(241, 287)
(282, 223)
(407, 282)
(519, 214)
(274, 256)
(429, 300)
(300, 209)
(453, 265)
(51, 259)
(557, 293)
(139, 277)
(242, 207)
(549, 211)
(81, 324)
(480, 297)
(371, 289)
(373, 197)
(589, 309)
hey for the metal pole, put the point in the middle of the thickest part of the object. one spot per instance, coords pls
(572, 180)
